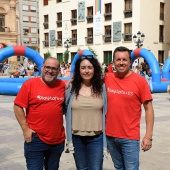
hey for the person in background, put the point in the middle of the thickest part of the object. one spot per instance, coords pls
(36, 71)
(38, 108)
(22, 70)
(126, 92)
(86, 104)
(110, 68)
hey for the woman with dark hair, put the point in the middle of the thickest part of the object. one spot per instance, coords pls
(85, 116)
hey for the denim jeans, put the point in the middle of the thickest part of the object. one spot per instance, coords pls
(39, 154)
(88, 152)
(124, 153)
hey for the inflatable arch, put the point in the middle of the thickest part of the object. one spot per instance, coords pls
(11, 86)
(156, 85)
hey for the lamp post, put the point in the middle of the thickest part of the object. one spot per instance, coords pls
(67, 44)
(139, 39)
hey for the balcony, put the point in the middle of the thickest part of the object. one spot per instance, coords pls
(46, 43)
(161, 38)
(45, 25)
(26, 42)
(59, 43)
(89, 19)
(108, 16)
(127, 37)
(89, 40)
(73, 21)
(128, 13)
(74, 41)
(161, 16)
(59, 23)
(107, 38)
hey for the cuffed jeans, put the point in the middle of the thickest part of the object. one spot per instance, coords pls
(39, 154)
(88, 152)
(124, 153)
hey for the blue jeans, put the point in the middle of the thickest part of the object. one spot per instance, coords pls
(124, 153)
(39, 154)
(88, 152)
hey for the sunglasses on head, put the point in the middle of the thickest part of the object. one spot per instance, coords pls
(86, 56)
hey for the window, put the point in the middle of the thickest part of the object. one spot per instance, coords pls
(46, 40)
(107, 57)
(33, 8)
(33, 19)
(34, 40)
(45, 2)
(25, 19)
(45, 22)
(34, 30)
(2, 23)
(73, 55)
(59, 19)
(25, 7)
(89, 15)
(162, 11)
(161, 33)
(161, 56)
(128, 8)
(107, 36)
(25, 30)
(89, 38)
(128, 32)
(26, 40)
(73, 17)
(58, 1)
(59, 38)
(108, 12)
(74, 37)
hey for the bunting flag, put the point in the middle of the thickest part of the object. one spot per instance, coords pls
(97, 6)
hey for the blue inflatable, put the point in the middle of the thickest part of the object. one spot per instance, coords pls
(156, 85)
(11, 86)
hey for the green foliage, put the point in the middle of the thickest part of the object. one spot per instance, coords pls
(46, 55)
(94, 52)
(66, 55)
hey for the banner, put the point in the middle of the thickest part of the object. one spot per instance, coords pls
(97, 6)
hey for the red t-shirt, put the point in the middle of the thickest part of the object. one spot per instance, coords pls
(110, 68)
(44, 108)
(125, 97)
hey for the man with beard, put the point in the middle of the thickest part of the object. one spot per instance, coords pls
(39, 110)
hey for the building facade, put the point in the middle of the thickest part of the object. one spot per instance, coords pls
(103, 25)
(8, 28)
(28, 24)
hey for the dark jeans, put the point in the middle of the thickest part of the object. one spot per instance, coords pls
(124, 153)
(88, 152)
(39, 154)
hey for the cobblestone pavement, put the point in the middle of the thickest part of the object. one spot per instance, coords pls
(11, 139)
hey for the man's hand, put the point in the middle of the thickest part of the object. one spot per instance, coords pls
(146, 144)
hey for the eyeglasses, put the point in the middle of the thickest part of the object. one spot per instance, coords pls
(88, 56)
(53, 69)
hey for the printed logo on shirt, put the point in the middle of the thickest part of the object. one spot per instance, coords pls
(129, 93)
(48, 98)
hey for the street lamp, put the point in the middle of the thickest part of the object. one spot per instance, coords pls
(67, 45)
(139, 39)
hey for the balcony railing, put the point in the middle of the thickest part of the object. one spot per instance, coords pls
(46, 43)
(128, 13)
(127, 37)
(45, 25)
(161, 16)
(89, 40)
(59, 43)
(161, 38)
(73, 21)
(73, 41)
(59, 23)
(89, 19)
(108, 16)
(107, 38)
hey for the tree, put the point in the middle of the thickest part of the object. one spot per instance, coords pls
(94, 52)
(46, 55)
